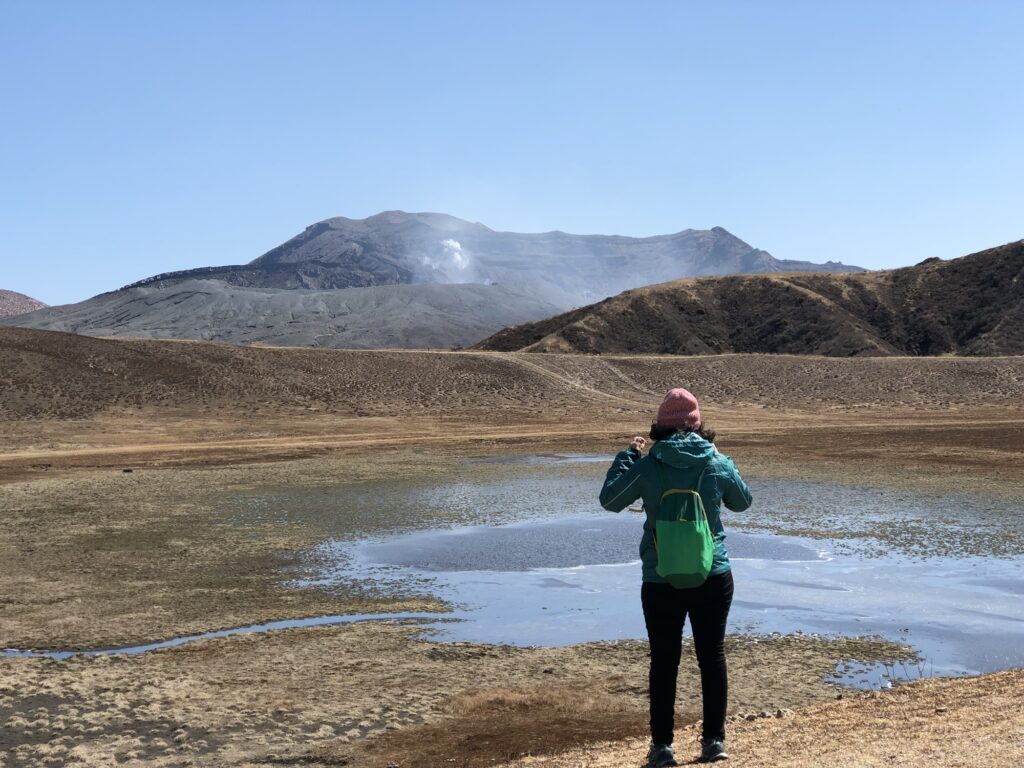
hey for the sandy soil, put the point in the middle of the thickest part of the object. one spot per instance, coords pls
(343, 693)
(948, 723)
(91, 555)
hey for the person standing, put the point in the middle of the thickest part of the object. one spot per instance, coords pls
(683, 455)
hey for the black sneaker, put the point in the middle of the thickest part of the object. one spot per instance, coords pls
(660, 755)
(712, 750)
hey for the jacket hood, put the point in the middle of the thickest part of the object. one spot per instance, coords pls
(685, 451)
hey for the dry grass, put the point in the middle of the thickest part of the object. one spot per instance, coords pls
(969, 306)
(976, 723)
(371, 694)
(46, 375)
(494, 725)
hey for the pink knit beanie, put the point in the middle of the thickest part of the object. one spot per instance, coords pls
(679, 409)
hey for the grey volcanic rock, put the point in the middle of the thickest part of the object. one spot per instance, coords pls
(569, 270)
(426, 280)
(13, 303)
(409, 316)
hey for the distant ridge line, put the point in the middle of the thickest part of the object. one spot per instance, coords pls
(973, 305)
(424, 280)
(175, 275)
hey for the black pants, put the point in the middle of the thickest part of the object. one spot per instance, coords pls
(665, 611)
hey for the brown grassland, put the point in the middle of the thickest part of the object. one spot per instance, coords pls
(93, 556)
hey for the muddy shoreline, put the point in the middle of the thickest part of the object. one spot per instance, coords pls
(186, 566)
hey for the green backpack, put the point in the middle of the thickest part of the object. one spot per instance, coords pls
(682, 535)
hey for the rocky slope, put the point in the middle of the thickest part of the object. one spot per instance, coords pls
(13, 303)
(388, 316)
(401, 280)
(396, 247)
(969, 306)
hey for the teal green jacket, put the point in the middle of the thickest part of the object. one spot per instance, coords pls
(632, 477)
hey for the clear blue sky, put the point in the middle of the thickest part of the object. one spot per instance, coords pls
(141, 137)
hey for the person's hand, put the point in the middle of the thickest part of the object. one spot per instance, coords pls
(638, 444)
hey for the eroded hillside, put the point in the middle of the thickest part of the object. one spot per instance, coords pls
(968, 306)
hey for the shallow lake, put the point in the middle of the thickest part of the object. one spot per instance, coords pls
(541, 563)
(522, 550)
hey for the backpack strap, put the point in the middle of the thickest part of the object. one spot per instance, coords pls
(666, 487)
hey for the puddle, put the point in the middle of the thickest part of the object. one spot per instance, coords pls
(873, 522)
(870, 522)
(497, 491)
(562, 543)
(575, 580)
(131, 650)
(882, 675)
(552, 568)
(545, 458)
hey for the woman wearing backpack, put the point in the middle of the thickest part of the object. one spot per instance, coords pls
(682, 459)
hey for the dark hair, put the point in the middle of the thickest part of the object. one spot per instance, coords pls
(705, 430)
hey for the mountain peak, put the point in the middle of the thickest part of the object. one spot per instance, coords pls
(425, 252)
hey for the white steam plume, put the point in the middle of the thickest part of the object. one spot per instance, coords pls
(453, 264)
(455, 255)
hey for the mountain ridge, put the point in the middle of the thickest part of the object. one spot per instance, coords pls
(418, 268)
(973, 305)
(395, 247)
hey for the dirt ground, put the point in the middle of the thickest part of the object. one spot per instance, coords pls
(94, 556)
(949, 723)
(326, 695)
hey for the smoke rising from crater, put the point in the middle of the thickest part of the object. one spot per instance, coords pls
(451, 264)
(455, 254)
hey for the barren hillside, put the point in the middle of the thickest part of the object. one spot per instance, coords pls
(44, 374)
(13, 303)
(396, 247)
(968, 306)
(401, 281)
(382, 316)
